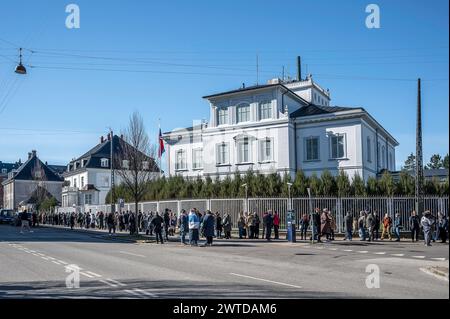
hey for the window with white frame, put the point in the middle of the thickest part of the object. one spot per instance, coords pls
(243, 113)
(312, 148)
(337, 144)
(74, 182)
(222, 154)
(4, 170)
(197, 158)
(369, 149)
(222, 116)
(180, 160)
(82, 181)
(104, 162)
(88, 199)
(265, 110)
(243, 151)
(265, 150)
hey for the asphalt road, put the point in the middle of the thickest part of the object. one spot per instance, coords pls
(34, 265)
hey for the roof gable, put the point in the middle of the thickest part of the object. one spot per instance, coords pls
(29, 171)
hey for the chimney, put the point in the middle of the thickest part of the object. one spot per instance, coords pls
(29, 155)
(121, 136)
(33, 152)
(101, 139)
(299, 68)
(243, 85)
(109, 137)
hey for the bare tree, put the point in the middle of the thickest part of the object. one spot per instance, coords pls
(134, 160)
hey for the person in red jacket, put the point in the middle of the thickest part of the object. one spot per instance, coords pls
(276, 224)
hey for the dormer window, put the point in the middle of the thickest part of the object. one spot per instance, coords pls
(145, 165)
(104, 162)
(125, 164)
(4, 170)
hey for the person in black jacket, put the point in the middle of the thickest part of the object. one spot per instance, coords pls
(72, 220)
(268, 221)
(219, 227)
(166, 217)
(414, 226)
(157, 222)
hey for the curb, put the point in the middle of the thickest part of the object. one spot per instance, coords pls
(433, 271)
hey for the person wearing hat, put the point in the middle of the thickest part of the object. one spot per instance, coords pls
(427, 222)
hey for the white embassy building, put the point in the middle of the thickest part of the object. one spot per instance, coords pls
(281, 126)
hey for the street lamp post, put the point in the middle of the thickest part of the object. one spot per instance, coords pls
(289, 196)
(246, 196)
(311, 214)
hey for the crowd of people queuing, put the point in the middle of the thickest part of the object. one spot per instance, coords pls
(321, 224)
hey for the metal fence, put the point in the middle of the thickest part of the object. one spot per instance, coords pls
(337, 206)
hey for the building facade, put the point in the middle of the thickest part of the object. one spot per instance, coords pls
(88, 177)
(280, 127)
(28, 179)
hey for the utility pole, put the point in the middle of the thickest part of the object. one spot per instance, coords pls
(419, 155)
(113, 199)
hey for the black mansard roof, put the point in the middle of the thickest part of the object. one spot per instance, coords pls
(313, 109)
(27, 171)
(93, 157)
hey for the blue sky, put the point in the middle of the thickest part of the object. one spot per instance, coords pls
(161, 57)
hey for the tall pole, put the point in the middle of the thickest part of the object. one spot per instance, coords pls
(311, 214)
(419, 155)
(113, 199)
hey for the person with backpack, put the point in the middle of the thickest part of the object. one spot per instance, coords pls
(427, 222)
(304, 224)
(387, 224)
(227, 224)
(362, 226)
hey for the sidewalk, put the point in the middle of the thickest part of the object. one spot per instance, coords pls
(143, 238)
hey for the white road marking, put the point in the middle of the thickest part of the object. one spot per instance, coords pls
(51, 258)
(274, 282)
(93, 274)
(36, 255)
(87, 275)
(398, 255)
(44, 258)
(55, 262)
(440, 259)
(127, 253)
(363, 251)
(40, 254)
(144, 292)
(332, 248)
(116, 282)
(380, 253)
(108, 283)
(62, 262)
(420, 257)
(348, 249)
